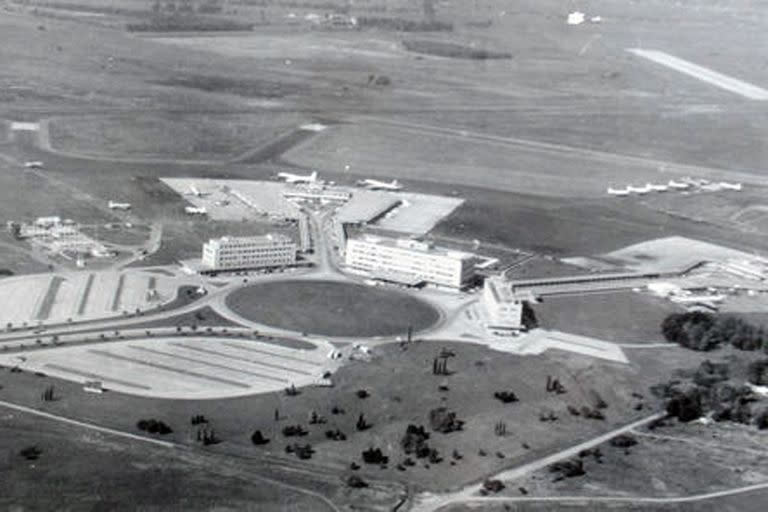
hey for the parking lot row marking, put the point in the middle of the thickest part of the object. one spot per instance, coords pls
(259, 351)
(227, 356)
(167, 368)
(95, 376)
(207, 363)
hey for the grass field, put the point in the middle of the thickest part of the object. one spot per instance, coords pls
(171, 135)
(621, 316)
(402, 390)
(80, 470)
(332, 308)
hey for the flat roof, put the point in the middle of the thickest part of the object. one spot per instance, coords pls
(413, 245)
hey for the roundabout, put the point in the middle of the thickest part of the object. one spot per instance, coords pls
(332, 308)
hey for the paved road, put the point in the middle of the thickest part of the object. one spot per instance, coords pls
(487, 500)
(429, 502)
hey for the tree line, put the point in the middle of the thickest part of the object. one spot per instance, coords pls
(704, 331)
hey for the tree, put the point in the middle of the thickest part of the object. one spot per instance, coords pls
(258, 438)
(757, 372)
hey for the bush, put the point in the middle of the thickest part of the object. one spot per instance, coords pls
(568, 469)
(31, 452)
(356, 482)
(624, 441)
(493, 486)
(258, 438)
(294, 431)
(154, 426)
(505, 397)
(685, 405)
(444, 421)
(415, 440)
(757, 372)
(374, 456)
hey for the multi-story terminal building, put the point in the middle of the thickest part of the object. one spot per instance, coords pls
(272, 250)
(409, 262)
(503, 309)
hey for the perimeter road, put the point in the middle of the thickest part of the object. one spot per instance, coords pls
(709, 76)
(430, 502)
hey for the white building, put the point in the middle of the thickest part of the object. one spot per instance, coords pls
(272, 250)
(409, 262)
(503, 309)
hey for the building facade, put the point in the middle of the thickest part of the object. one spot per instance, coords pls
(503, 309)
(409, 262)
(272, 250)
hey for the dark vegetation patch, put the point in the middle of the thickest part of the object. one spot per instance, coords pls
(453, 50)
(188, 23)
(404, 25)
(246, 87)
(704, 331)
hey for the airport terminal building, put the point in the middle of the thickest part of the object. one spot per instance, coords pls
(409, 262)
(227, 253)
(503, 309)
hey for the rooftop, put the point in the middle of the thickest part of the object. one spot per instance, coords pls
(415, 246)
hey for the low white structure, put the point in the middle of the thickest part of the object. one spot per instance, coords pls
(315, 192)
(409, 262)
(503, 309)
(272, 250)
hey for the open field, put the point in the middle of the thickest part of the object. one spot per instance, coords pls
(390, 378)
(181, 368)
(332, 308)
(670, 461)
(169, 136)
(621, 316)
(80, 470)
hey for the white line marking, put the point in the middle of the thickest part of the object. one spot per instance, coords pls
(728, 83)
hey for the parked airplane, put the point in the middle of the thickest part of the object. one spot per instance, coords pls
(657, 188)
(35, 164)
(618, 191)
(639, 190)
(679, 185)
(193, 210)
(696, 182)
(297, 178)
(119, 206)
(711, 187)
(730, 186)
(380, 185)
(194, 191)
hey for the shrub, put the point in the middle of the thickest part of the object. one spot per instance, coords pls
(356, 482)
(505, 397)
(444, 421)
(623, 441)
(258, 438)
(374, 456)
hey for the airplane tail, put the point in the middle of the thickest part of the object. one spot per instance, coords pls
(313, 176)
